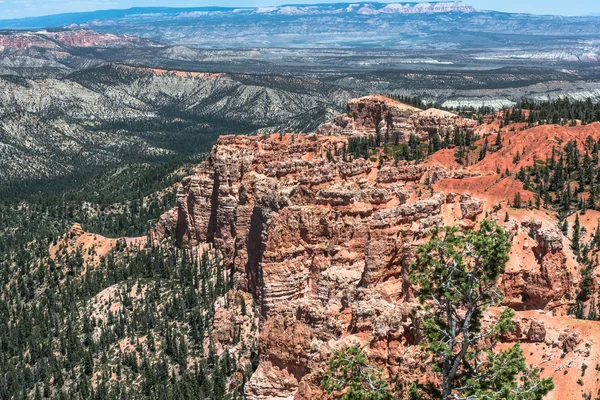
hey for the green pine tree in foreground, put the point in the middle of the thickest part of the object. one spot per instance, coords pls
(350, 375)
(456, 278)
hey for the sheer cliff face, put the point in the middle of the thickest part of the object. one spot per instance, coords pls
(324, 246)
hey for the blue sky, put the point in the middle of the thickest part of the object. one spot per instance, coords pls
(27, 8)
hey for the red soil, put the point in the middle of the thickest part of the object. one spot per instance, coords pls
(491, 188)
(535, 144)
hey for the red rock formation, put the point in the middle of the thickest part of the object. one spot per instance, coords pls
(544, 278)
(380, 116)
(324, 246)
(69, 38)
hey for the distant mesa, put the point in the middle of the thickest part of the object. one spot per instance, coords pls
(94, 18)
(370, 8)
(83, 38)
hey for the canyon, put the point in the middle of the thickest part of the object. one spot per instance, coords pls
(211, 202)
(113, 114)
(246, 269)
(323, 243)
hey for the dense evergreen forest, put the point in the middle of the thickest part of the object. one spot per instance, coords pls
(124, 201)
(72, 330)
(416, 149)
(134, 324)
(72, 327)
(559, 111)
(563, 111)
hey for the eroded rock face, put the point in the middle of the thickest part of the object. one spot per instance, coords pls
(470, 207)
(536, 332)
(380, 116)
(569, 341)
(167, 224)
(544, 278)
(324, 246)
(549, 240)
(76, 231)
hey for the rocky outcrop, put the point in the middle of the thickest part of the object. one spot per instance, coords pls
(76, 232)
(167, 224)
(549, 240)
(536, 332)
(470, 207)
(391, 120)
(324, 246)
(403, 172)
(372, 115)
(544, 280)
(569, 341)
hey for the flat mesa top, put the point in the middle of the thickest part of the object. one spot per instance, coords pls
(434, 112)
(389, 102)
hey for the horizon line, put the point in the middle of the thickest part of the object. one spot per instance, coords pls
(300, 4)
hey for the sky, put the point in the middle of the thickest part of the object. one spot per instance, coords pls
(29, 8)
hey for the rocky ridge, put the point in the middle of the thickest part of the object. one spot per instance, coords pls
(78, 38)
(322, 242)
(105, 116)
(323, 245)
(380, 116)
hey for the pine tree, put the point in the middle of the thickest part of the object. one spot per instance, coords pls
(37, 395)
(516, 158)
(88, 364)
(517, 200)
(592, 313)
(466, 268)
(330, 156)
(483, 151)
(243, 305)
(577, 310)
(499, 140)
(350, 376)
(575, 239)
(564, 227)
(591, 204)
